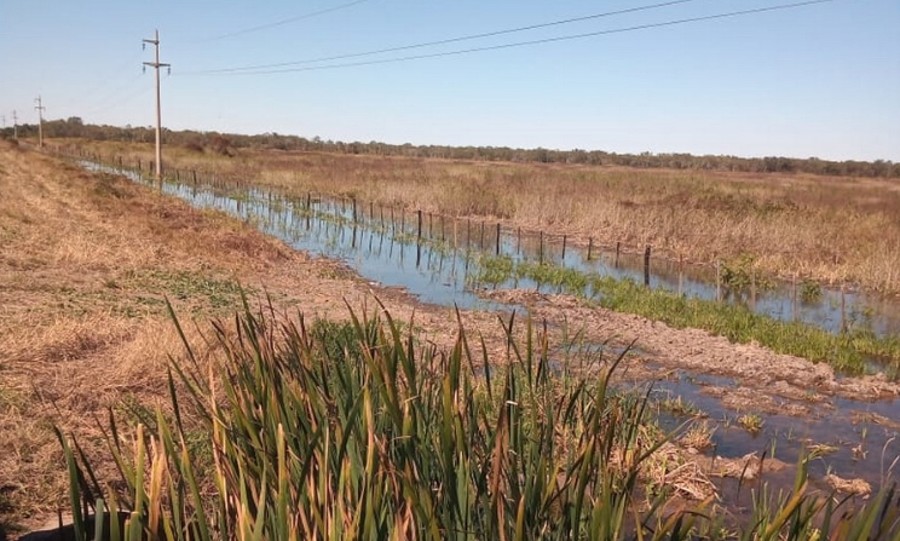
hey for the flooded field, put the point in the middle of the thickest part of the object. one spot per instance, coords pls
(434, 258)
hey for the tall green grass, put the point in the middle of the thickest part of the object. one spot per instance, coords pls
(359, 431)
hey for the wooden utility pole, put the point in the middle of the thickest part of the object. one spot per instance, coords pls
(15, 126)
(156, 65)
(40, 109)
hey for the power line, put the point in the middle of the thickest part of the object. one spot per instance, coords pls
(121, 99)
(89, 98)
(102, 101)
(448, 40)
(570, 37)
(288, 20)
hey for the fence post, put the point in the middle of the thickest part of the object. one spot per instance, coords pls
(498, 238)
(564, 250)
(647, 266)
(753, 288)
(541, 249)
(419, 232)
(618, 249)
(590, 247)
(794, 296)
(843, 311)
(718, 280)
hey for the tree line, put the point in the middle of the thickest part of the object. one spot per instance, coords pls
(225, 143)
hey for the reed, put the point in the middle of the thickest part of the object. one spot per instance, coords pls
(358, 430)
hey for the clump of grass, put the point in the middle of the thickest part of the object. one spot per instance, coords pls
(698, 436)
(358, 431)
(677, 405)
(185, 285)
(739, 275)
(810, 291)
(751, 422)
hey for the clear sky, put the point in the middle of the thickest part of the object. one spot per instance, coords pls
(820, 80)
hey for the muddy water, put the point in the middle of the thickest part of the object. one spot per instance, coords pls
(856, 439)
(383, 245)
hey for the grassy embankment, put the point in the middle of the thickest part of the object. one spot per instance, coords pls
(833, 230)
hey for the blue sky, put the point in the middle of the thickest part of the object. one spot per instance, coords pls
(820, 80)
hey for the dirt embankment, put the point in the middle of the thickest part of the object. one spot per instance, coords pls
(752, 366)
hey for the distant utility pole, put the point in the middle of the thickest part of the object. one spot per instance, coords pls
(156, 65)
(40, 109)
(15, 126)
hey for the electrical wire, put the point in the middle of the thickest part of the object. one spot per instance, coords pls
(122, 98)
(731, 14)
(449, 40)
(288, 20)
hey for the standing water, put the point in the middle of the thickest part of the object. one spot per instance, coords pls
(435, 258)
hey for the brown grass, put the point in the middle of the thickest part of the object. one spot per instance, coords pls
(80, 328)
(831, 229)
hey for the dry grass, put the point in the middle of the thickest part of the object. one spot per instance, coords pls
(86, 265)
(836, 230)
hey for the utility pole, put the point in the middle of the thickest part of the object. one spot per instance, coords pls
(156, 65)
(40, 109)
(15, 126)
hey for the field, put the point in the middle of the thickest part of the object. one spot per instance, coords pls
(830, 229)
(417, 420)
